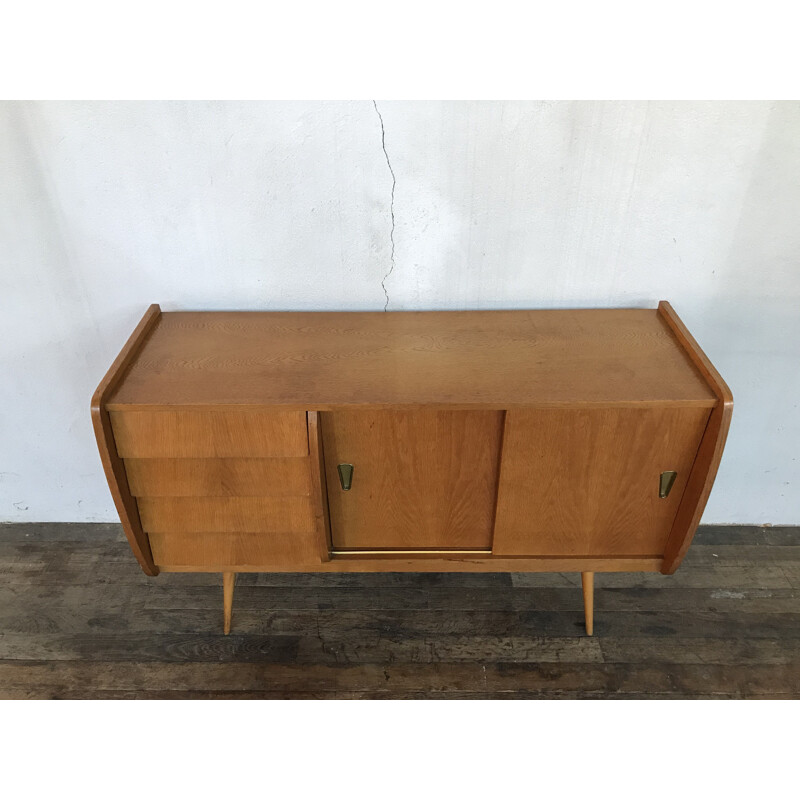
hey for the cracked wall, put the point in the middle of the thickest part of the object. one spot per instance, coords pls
(391, 208)
(370, 205)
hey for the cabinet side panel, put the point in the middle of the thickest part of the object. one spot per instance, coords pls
(113, 465)
(709, 455)
(698, 489)
(585, 482)
(319, 486)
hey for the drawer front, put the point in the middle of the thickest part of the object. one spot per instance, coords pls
(232, 550)
(210, 434)
(585, 482)
(226, 514)
(219, 477)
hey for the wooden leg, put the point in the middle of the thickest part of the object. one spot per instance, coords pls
(228, 579)
(587, 579)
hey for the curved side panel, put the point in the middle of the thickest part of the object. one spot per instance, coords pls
(112, 463)
(319, 489)
(706, 463)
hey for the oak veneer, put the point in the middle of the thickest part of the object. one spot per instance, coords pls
(248, 552)
(455, 359)
(709, 454)
(112, 463)
(421, 561)
(219, 477)
(406, 485)
(481, 441)
(228, 582)
(564, 486)
(319, 488)
(587, 584)
(189, 433)
(231, 514)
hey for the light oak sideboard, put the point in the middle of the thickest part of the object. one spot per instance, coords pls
(511, 441)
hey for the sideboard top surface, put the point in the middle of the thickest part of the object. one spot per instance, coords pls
(450, 359)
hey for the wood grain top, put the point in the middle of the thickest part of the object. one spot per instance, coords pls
(448, 359)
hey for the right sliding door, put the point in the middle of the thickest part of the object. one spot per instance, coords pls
(588, 482)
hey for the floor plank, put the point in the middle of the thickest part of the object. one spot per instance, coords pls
(78, 619)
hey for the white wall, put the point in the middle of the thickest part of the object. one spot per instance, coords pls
(107, 207)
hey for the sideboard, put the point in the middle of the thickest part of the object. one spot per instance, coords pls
(582, 440)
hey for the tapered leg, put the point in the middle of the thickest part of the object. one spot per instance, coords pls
(587, 579)
(228, 579)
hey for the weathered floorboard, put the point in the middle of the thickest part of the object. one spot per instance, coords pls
(78, 619)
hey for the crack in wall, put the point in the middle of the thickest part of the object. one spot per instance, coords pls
(391, 206)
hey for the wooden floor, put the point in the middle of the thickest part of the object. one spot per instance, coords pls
(78, 619)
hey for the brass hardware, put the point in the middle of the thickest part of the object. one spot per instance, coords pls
(345, 476)
(665, 484)
(350, 553)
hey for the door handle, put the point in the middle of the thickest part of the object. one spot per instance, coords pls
(665, 483)
(345, 476)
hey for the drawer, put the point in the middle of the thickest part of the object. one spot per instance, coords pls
(226, 514)
(219, 477)
(222, 551)
(210, 434)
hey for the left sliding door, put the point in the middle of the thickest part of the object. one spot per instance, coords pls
(418, 480)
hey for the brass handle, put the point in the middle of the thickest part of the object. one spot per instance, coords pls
(665, 483)
(345, 476)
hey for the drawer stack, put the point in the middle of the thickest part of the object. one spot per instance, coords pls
(221, 489)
